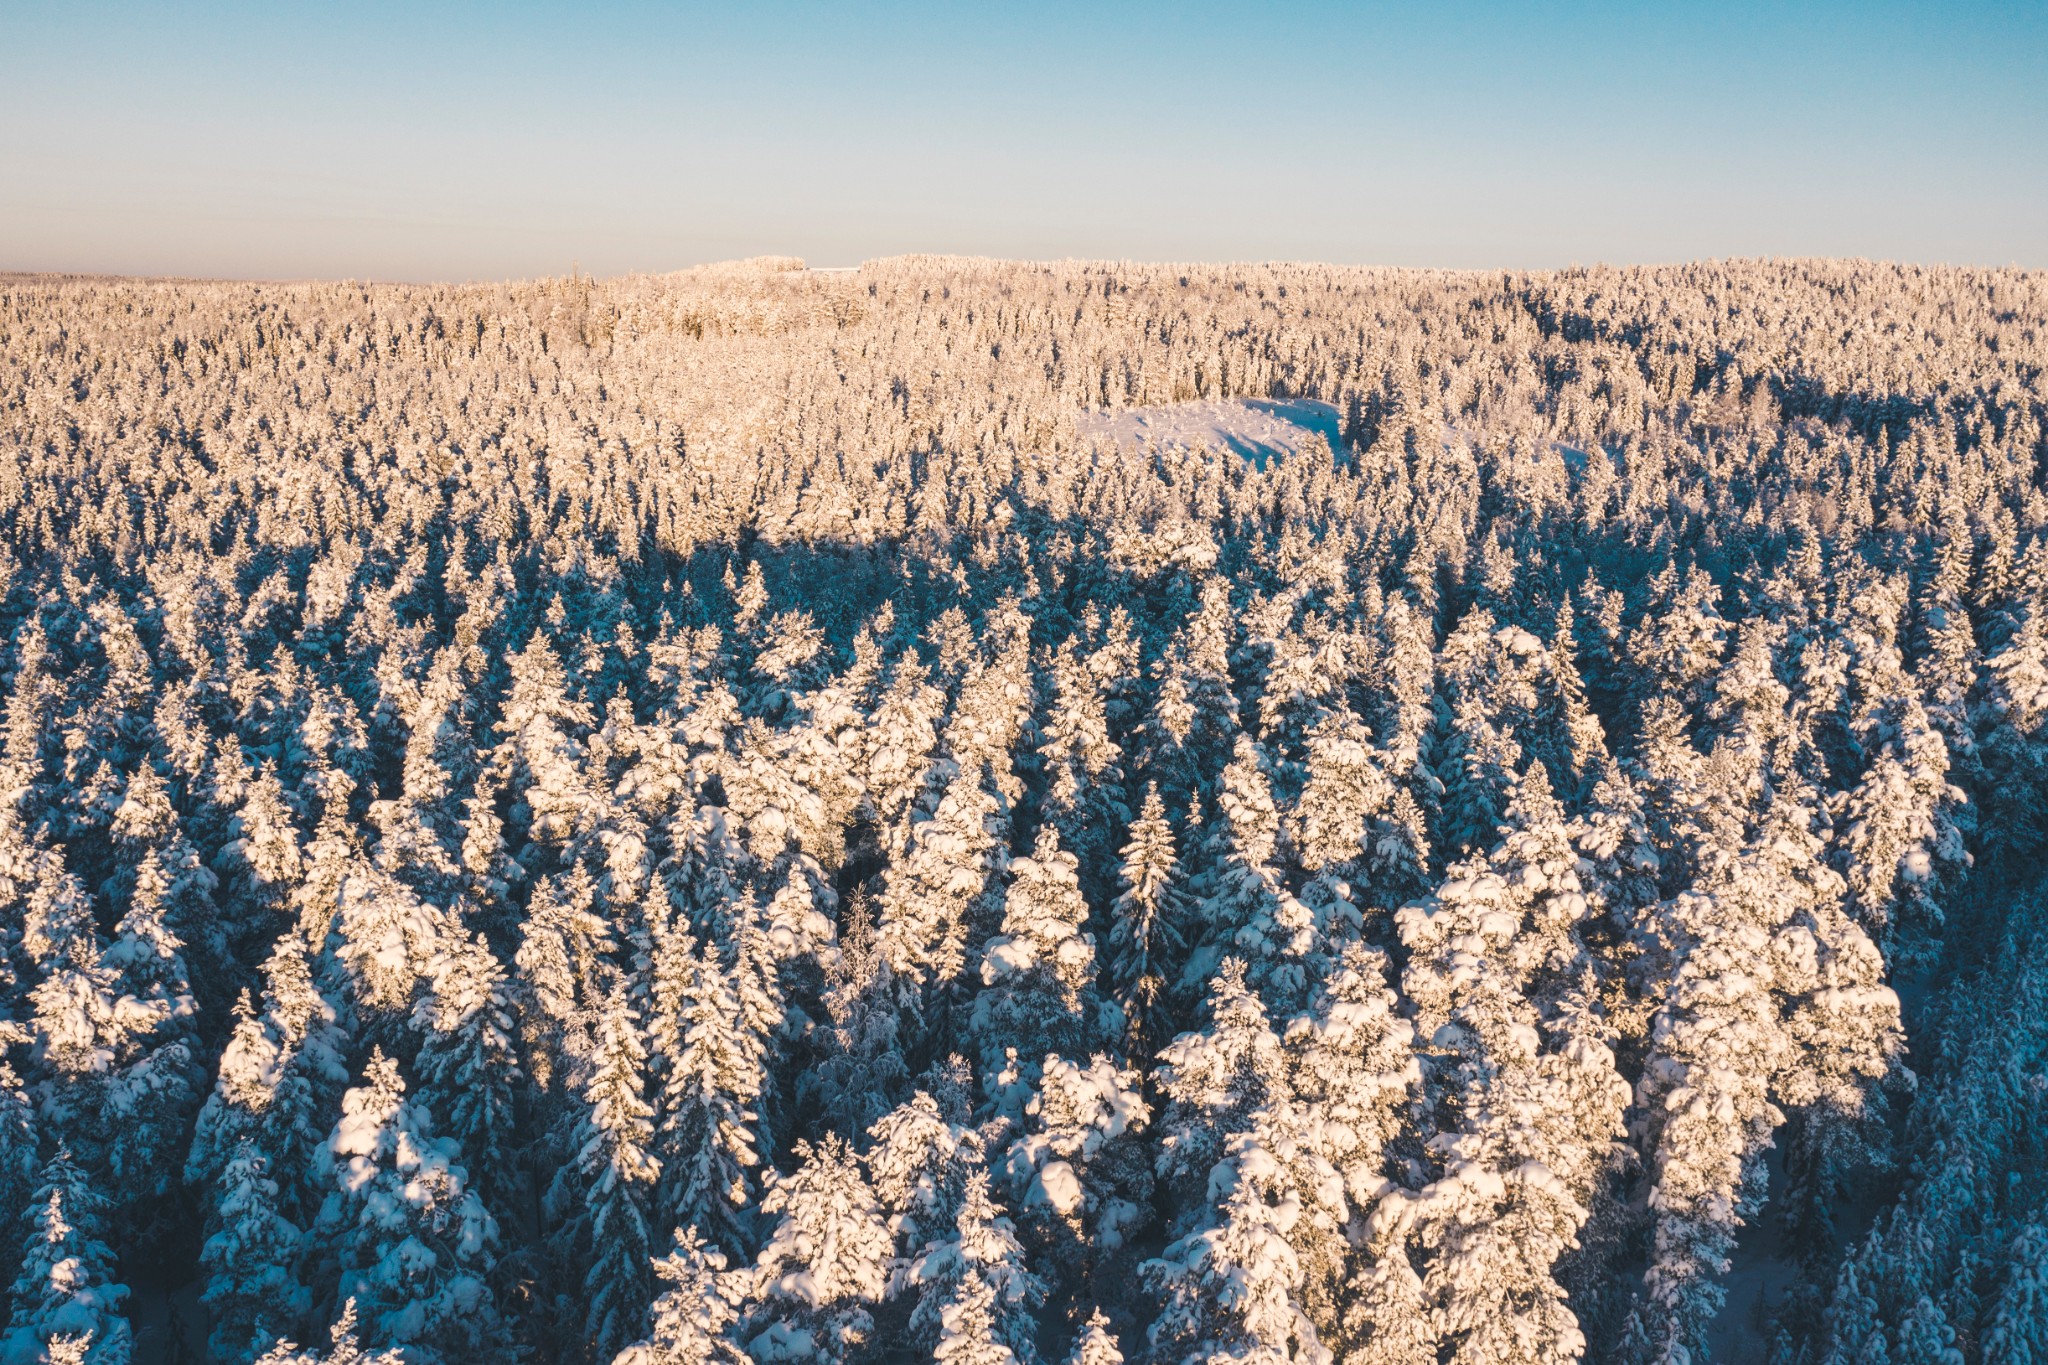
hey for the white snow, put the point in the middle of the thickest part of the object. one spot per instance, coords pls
(1256, 428)
(1058, 1186)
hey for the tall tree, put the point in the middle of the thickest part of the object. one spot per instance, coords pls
(1039, 972)
(411, 1242)
(696, 1314)
(610, 1179)
(252, 1297)
(1148, 923)
(710, 1081)
(66, 1285)
(826, 1261)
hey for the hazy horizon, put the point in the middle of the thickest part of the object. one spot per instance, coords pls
(575, 268)
(455, 142)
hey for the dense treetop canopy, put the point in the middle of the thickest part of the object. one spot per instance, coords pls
(697, 818)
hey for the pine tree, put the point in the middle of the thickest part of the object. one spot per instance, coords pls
(389, 941)
(281, 1071)
(113, 1027)
(2018, 1330)
(1346, 788)
(74, 1001)
(917, 1162)
(764, 1018)
(541, 756)
(1147, 922)
(1492, 959)
(65, 1349)
(708, 867)
(1622, 861)
(793, 791)
(1353, 1064)
(1478, 760)
(924, 905)
(826, 1261)
(1213, 1080)
(696, 1313)
(1084, 771)
(468, 1061)
(994, 706)
(1248, 911)
(151, 1096)
(797, 928)
(244, 1089)
(1234, 1285)
(1388, 1317)
(1397, 853)
(789, 661)
(1950, 670)
(252, 1297)
(18, 1166)
(423, 828)
(1570, 739)
(263, 857)
(1901, 839)
(710, 1080)
(1080, 1172)
(864, 1067)
(1167, 757)
(1777, 995)
(345, 1349)
(332, 855)
(983, 1247)
(967, 1328)
(1677, 643)
(1039, 972)
(1409, 718)
(169, 883)
(1925, 1334)
(413, 1244)
(1204, 651)
(610, 1179)
(677, 753)
(899, 751)
(564, 973)
(66, 1286)
(1095, 1345)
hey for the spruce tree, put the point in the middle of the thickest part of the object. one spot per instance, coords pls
(252, 1297)
(411, 1243)
(65, 1286)
(610, 1180)
(1038, 973)
(698, 1309)
(1148, 921)
(709, 1083)
(825, 1263)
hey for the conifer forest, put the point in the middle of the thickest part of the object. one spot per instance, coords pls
(739, 816)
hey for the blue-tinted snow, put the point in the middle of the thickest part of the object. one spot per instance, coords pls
(1255, 428)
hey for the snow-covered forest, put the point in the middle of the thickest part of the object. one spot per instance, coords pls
(702, 818)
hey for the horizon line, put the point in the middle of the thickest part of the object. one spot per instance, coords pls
(769, 264)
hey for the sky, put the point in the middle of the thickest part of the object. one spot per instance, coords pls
(446, 141)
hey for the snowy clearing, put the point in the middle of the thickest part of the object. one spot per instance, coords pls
(1256, 428)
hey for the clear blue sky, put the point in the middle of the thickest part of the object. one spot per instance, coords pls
(437, 141)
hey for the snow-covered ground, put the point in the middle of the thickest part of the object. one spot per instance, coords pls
(1255, 428)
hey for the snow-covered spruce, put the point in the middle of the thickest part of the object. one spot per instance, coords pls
(764, 814)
